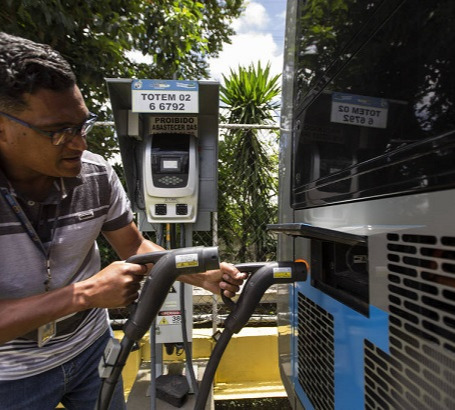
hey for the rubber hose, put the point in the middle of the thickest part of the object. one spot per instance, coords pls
(212, 364)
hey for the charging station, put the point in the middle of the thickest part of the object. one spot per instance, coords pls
(171, 172)
(168, 137)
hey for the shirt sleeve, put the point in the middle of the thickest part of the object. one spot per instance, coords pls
(119, 214)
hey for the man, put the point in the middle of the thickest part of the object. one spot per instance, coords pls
(55, 199)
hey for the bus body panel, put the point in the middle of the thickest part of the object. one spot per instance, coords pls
(367, 192)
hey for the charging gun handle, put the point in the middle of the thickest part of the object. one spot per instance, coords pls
(144, 258)
(170, 264)
(247, 267)
(156, 287)
(271, 273)
(265, 275)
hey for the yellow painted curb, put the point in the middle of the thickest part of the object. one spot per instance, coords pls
(248, 390)
(251, 356)
(248, 369)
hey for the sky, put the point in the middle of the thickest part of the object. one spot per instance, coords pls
(259, 37)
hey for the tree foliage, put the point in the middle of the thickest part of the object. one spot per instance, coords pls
(95, 36)
(248, 163)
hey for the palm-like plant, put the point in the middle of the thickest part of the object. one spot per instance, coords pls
(248, 181)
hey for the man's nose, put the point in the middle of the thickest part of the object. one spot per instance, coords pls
(78, 143)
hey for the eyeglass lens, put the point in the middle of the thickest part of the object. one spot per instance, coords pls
(67, 134)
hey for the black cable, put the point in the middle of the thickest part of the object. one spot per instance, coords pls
(212, 364)
(186, 344)
(152, 297)
(173, 234)
(160, 235)
(182, 236)
(265, 274)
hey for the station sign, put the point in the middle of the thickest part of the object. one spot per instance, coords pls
(174, 124)
(359, 110)
(165, 96)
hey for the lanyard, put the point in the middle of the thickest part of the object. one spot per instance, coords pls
(25, 222)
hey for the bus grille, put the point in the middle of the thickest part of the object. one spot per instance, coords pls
(315, 345)
(420, 370)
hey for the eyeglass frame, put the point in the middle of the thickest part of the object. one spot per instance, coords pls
(71, 131)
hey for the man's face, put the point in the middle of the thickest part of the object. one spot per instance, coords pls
(26, 153)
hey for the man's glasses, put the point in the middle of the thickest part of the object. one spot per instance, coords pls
(64, 135)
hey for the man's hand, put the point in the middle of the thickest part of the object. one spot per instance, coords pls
(117, 285)
(231, 279)
(227, 279)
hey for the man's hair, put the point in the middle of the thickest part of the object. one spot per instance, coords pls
(26, 67)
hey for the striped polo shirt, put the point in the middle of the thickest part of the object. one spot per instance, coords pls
(79, 209)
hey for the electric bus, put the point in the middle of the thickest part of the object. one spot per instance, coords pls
(367, 198)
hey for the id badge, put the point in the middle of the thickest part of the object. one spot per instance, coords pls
(46, 333)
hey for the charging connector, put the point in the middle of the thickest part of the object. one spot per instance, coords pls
(167, 268)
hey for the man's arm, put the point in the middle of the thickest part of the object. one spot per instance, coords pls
(128, 241)
(115, 286)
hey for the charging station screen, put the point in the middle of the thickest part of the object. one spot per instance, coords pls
(169, 165)
(170, 160)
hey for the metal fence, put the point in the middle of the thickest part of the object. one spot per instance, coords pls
(244, 240)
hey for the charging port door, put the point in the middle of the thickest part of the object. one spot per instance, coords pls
(341, 271)
(339, 262)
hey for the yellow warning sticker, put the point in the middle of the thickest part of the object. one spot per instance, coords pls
(186, 261)
(163, 321)
(282, 273)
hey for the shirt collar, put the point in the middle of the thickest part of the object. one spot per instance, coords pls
(60, 188)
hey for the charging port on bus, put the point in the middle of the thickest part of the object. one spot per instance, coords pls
(341, 270)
